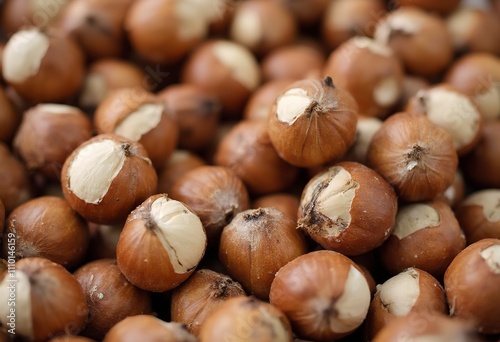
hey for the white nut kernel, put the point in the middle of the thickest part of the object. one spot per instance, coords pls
(240, 62)
(23, 55)
(141, 121)
(414, 217)
(400, 293)
(100, 162)
(180, 232)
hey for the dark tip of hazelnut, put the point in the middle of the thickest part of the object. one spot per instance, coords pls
(329, 82)
(254, 214)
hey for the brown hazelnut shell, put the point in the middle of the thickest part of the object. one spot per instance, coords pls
(481, 166)
(332, 117)
(15, 184)
(248, 152)
(159, 141)
(476, 223)
(47, 227)
(136, 181)
(9, 119)
(256, 244)
(415, 156)
(97, 26)
(372, 211)
(195, 299)
(430, 249)
(442, 7)
(45, 139)
(179, 163)
(431, 299)
(288, 204)
(469, 275)
(60, 74)
(196, 111)
(58, 304)
(215, 194)
(110, 296)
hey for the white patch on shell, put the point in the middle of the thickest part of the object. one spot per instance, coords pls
(387, 91)
(491, 256)
(400, 293)
(454, 112)
(94, 168)
(374, 46)
(240, 61)
(489, 200)
(292, 104)
(23, 55)
(23, 314)
(246, 28)
(180, 232)
(145, 118)
(414, 217)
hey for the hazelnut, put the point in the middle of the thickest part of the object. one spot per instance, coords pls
(345, 19)
(247, 151)
(49, 300)
(441, 7)
(307, 117)
(474, 30)
(225, 69)
(48, 134)
(288, 204)
(179, 163)
(478, 75)
(479, 215)
(324, 294)
(246, 319)
(161, 244)
(15, 184)
(9, 119)
(17, 14)
(414, 155)
(165, 31)
(256, 244)
(106, 177)
(476, 272)
(148, 328)
(417, 225)
(375, 90)
(196, 112)
(262, 26)
(453, 111)
(425, 326)
(420, 39)
(260, 102)
(97, 26)
(203, 293)
(292, 62)
(110, 297)
(481, 166)
(108, 74)
(409, 292)
(47, 227)
(365, 130)
(348, 208)
(215, 194)
(43, 66)
(138, 115)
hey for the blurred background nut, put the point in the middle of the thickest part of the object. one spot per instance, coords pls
(48, 134)
(138, 115)
(43, 66)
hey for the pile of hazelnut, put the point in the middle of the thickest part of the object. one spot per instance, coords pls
(249, 170)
